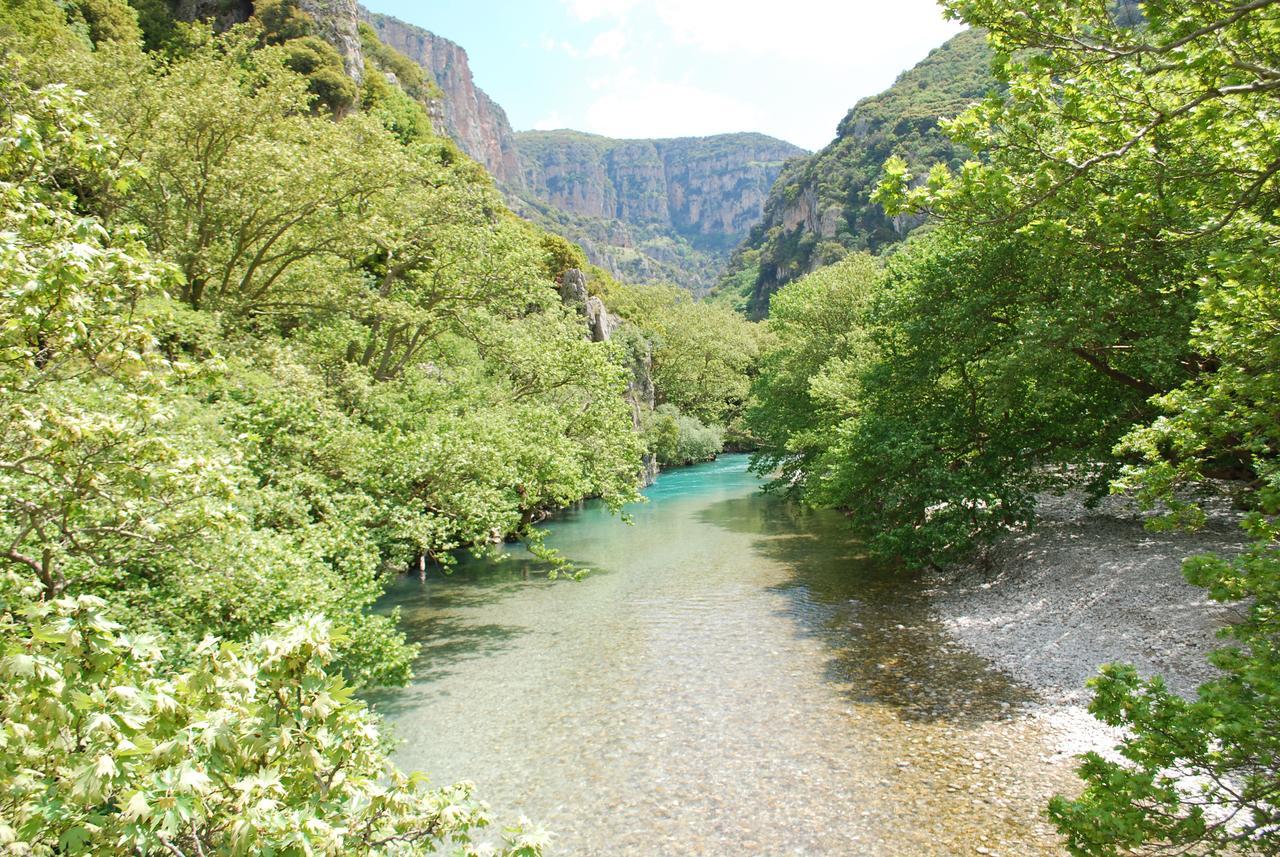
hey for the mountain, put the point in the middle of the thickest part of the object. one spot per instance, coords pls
(643, 209)
(820, 208)
(668, 209)
(467, 114)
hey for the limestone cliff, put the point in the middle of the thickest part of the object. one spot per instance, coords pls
(651, 209)
(601, 325)
(336, 22)
(710, 190)
(470, 117)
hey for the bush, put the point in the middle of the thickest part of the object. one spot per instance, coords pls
(677, 438)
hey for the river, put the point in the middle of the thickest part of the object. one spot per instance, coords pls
(733, 677)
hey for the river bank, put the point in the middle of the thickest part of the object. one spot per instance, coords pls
(1087, 587)
(734, 676)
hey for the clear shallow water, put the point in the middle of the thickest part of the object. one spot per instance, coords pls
(733, 678)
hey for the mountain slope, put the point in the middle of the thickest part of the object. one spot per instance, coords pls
(645, 210)
(651, 209)
(820, 208)
(466, 113)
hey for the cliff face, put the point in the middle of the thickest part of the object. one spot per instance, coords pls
(470, 117)
(643, 209)
(335, 22)
(820, 207)
(709, 190)
(650, 209)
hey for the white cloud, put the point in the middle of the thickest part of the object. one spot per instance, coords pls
(836, 35)
(721, 65)
(608, 44)
(635, 107)
(552, 46)
(550, 122)
(589, 10)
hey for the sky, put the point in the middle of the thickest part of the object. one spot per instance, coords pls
(674, 68)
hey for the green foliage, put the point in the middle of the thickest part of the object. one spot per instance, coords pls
(32, 29)
(283, 20)
(562, 255)
(677, 438)
(253, 361)
(998, 370)
(155, 19)
(806, 386)
(253, 749)
(287, 24)
(319, 62)
(400, 114)
(1151, 146)
(116, 479)
(107, 20)
(410, 76)
(827, 197)
(703, 354)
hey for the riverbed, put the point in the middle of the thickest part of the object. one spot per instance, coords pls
(732, 677)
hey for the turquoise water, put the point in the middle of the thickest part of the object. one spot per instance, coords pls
(732, 677)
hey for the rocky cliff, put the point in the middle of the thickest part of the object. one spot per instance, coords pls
(710, 190)
(643, 209)
(820, 207)
(470, 117)
(651, 209)
(335, 22)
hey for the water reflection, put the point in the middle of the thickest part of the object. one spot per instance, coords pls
(734, 677)
(886, 644)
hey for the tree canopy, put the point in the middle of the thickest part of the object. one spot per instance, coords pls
(1093, 305)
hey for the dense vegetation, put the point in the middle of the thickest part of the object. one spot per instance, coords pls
(262, 347)
(820, 209)
(1095, 306)
(266, 340)
(700, 358)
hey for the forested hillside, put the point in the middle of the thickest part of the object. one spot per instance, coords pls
(661, 211)
(268, 341)
(820, 209)
(1095, 307)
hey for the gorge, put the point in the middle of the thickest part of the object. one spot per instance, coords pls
(685, 494)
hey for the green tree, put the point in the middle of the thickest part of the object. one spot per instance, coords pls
(256, 748)
(818, 343)
(703, 353)
(1138, 141)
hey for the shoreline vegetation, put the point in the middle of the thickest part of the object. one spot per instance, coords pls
(268, 337)
(1087, 306)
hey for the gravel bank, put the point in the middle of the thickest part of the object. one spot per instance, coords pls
(1087, 587)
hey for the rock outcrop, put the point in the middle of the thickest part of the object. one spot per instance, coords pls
(470, 117)
(650, 209)
(601, 325)
(221, 13)
(336, 23)
(709, 190)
